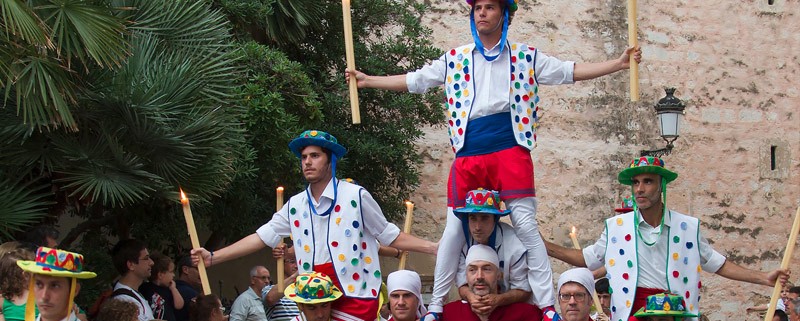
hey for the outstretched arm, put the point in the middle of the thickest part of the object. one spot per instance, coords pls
(245, 246)
(736, 272)
(571, 256)
(408, 242)
(586, 71)
(395, 82)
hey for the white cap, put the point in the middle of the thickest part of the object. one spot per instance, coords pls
(581, 276)
(407, 281)
(480, 252)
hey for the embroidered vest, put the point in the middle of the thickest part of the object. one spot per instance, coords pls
(522, 87)
(682, 264)
(353, 252)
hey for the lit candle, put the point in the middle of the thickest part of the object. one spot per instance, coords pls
(351, 60)
(279, 198)
(201, 267)
(279, 264)
(574, 236)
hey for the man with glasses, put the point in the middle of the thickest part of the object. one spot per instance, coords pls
(483, 275)
(574, 294)
(248, 306)
(132, 261)
(280, 308)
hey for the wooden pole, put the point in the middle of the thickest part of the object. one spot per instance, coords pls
(787, 256)
(351, 60)
(279, 264)
(407, 230)
(633, 42)
(201, 267)
(574, 236)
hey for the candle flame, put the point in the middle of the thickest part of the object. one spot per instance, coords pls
(408, 203)
(573, 229)
(280, 188)
(183, 195)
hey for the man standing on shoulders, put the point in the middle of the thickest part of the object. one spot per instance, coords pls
(335, 226)
(491, 87)
(575, 288)
(132, 261)
(248, 306)
(405, 296)
(652, 248)
(483, 276)
(481, 218)
(54, 285)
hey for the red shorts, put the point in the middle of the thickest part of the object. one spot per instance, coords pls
(363, 309)
(509, 171)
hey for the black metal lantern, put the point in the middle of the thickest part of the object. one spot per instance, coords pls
(670, 114)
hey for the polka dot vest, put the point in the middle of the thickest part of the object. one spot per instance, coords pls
(523, 92)
(354, 253)
(682, 263)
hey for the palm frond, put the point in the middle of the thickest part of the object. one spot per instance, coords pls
(20, 21)
(21, 204)
(291, 20)
(84, 30)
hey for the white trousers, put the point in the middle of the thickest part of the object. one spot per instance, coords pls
(523, 217)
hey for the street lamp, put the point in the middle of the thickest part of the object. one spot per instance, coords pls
(670, 113)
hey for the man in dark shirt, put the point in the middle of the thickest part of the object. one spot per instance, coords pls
(187, 283)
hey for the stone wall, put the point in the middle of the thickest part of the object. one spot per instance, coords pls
(733, 64)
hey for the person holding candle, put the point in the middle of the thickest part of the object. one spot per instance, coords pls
(481, 219)
(335, 226)
(491, 88)
(652, 248)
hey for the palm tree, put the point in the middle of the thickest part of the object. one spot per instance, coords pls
(159, 120)
(47, 47)
(275, 22)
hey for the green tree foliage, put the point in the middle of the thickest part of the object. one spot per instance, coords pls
(389, 39)
(159, 120)
(46, 49)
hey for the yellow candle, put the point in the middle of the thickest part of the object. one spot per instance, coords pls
(633, 42)
(279, 198)
(407, 230)
(279, 264)
(351, 61)
(574, 236)
(787, 257)
(201, 267)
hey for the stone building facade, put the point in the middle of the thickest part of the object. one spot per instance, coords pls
(738, 156)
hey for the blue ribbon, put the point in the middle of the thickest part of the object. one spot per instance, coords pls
(477, 39)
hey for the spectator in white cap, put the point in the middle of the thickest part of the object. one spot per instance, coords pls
(483, 275)
(405, 296)
(575, 288)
